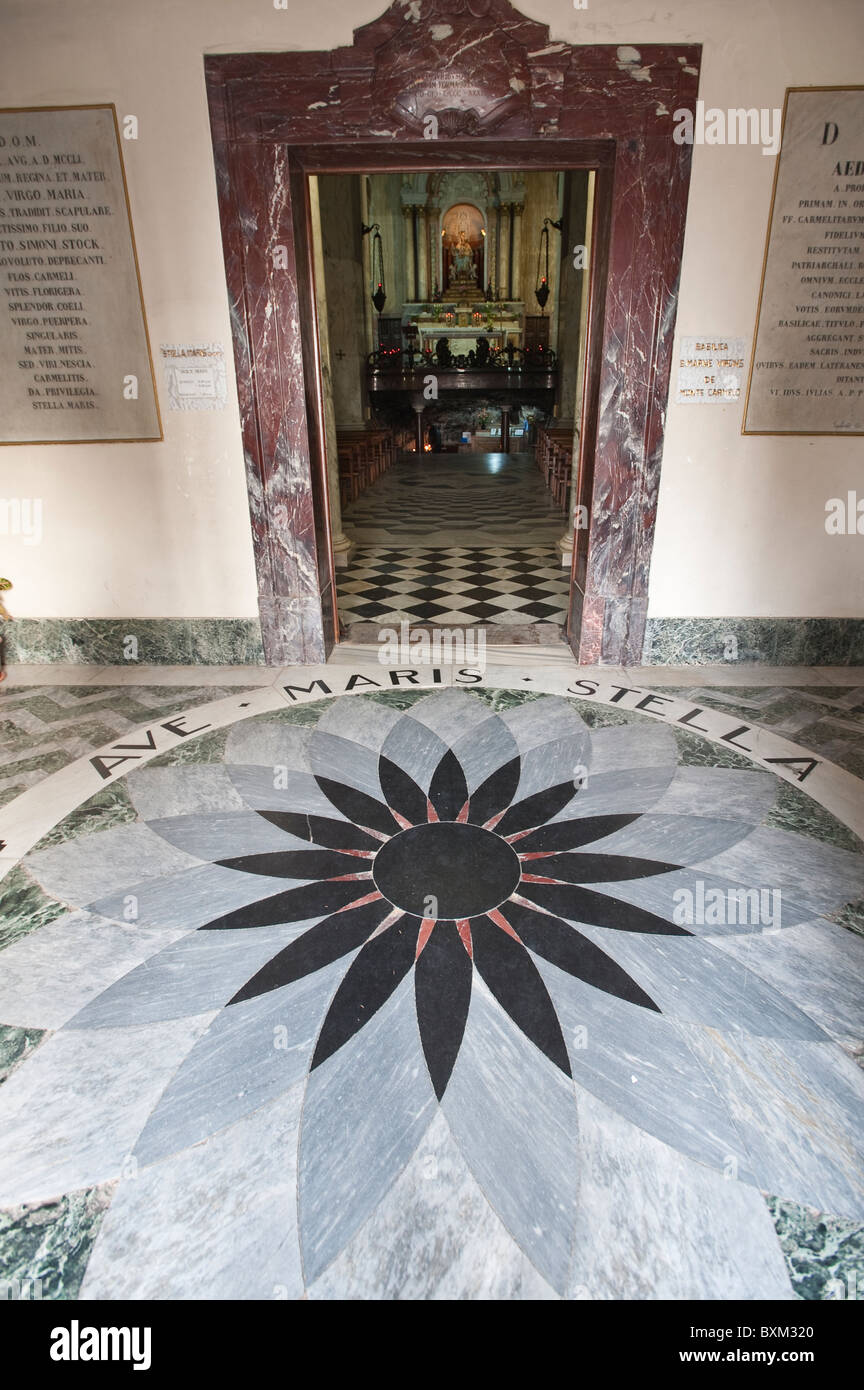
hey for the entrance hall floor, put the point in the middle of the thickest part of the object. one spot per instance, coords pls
(343, 982)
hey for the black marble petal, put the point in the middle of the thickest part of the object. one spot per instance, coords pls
(536, 809)
(310, 900)
(596, 868)
(517, 984)
(564, 946)
(319, 946)
(581, 905)
(364, 810)
(442, 989)
(495, 794)
(448, 790)
(571, 834)
(369, 981)
(401, 792)
(298, 863)
(321, 830)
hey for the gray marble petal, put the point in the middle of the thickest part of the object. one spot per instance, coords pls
(190, 899)
(227, 1226)
(819, 965)
(626, 747)
(199, 973)
(690, 980)
(513, 1115)
(655, 1225)
(484, 749)
(619, 793)
(445, 711)
(805, 869)
(366, 1109)
(545, 721)
(731, 792)
(433, 1237)
(268, 743)
(559, 760)
(799, 1108)
(251, 1053)
(636, 1062)
(48, 976)
(81, 870)
(71, 1113)
(674, 839)
(269, 789)
(366, 722)
(415, 748)
(157, 792)
(225, 834)
(344, 761)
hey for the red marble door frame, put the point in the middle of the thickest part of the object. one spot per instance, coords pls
(523, 102)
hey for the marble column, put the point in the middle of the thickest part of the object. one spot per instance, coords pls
(408, 224)
(516, 212)
(343, 546)
(420, 430)
(505, 429)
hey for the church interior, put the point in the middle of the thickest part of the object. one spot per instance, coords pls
(455, 324)
(431, 666)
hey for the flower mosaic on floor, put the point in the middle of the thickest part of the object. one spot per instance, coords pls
(417, 996)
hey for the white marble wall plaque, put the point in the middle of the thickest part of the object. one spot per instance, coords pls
(807, 374)
(74, 354)
(710, 369)
(194, 375)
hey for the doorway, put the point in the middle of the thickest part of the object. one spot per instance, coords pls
(402, 97)
(452, 326)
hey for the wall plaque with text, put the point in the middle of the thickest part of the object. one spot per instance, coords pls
(807, 371)
(75, 363)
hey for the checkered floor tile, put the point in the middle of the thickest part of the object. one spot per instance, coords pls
(454, 585)
(444, 499)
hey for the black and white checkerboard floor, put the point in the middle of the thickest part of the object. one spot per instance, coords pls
(454, 585)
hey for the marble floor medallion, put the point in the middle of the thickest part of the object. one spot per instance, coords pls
(429, 995)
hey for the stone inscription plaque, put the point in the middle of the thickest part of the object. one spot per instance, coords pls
(807, 372)
(75, 362)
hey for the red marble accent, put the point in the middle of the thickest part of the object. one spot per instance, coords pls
(361, 902)
(401, 820)
(275, 117)
(464, 929)
(431, 813)
(462, 817)
(496, 917)
(424, 934)
(538, 878)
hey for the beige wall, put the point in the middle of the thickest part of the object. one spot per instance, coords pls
(162, 530)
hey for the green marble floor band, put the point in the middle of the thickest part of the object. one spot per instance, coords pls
(769, 641)
(15, 1044)
(44, 1247)
(825, 1254)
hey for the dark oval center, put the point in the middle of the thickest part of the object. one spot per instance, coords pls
(465, 869)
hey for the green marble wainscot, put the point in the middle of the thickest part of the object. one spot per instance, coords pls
(157, 641)
(824, 1254)
(770, 641)
(44, 1247)
(24, 906)
(15, 1045)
